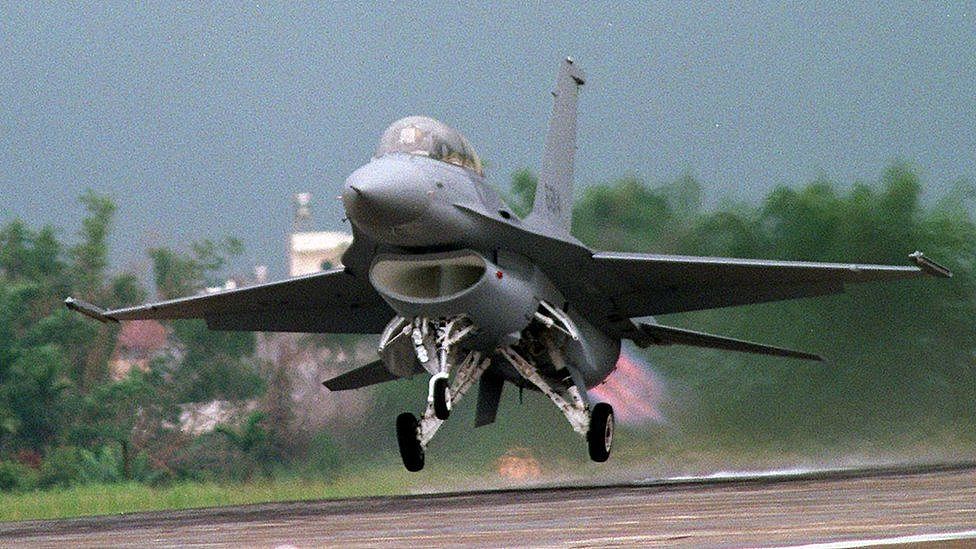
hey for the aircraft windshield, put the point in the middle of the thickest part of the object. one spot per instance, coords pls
(428, 137)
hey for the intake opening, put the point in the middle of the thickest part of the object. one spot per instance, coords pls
(428, 278)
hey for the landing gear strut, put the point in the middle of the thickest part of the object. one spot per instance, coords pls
(435, 346)
(595, 425)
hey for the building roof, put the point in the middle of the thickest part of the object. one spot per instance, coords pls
(142, 335)
(321, 240)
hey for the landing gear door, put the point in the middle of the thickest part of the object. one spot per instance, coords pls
(396, 350)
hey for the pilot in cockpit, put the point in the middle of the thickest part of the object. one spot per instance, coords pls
(425, 136)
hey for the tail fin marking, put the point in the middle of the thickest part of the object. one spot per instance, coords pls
(553, 205)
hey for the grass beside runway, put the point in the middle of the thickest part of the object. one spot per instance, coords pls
(108, 499)
(371, 479)
(460, 468)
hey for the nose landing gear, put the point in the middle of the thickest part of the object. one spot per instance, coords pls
(408, 438)
(435, 346)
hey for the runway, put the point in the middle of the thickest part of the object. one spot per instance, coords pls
(754, 510)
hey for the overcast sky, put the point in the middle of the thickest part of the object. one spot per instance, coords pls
(202, 120)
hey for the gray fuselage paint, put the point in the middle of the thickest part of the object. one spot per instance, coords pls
(409, 205)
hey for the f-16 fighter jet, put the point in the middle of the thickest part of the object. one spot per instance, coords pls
(464, 291)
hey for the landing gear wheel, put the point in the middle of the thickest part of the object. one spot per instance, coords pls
(442, 398)
(599, 438)
(411, 452)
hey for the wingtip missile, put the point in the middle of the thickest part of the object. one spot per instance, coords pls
(87, 309)
(928, 266)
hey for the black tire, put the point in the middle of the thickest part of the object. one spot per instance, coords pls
(599, 438)
(442, 396)
(411, 452)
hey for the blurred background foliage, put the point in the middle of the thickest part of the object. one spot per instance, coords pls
(900, 355)
(901, 371)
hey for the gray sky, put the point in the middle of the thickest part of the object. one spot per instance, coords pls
(202, 120)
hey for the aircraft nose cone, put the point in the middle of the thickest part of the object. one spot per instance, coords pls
(385, 194)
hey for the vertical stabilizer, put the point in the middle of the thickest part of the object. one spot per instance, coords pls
(553, 207)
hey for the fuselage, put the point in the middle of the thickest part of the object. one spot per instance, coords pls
(408, 201)
(439, 261)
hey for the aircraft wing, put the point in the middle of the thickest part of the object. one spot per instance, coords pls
(327, 302)
(619, 286)
(651, 284)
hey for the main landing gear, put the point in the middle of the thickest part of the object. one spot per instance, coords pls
(440, 396)
(435, 344)
(595, 425)
(599, 435)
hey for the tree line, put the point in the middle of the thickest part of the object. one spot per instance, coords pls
(901, 355)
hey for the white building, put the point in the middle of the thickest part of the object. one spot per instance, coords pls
(312, 251)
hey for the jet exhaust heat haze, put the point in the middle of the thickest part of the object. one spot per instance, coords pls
(464, 291)
(635, 390)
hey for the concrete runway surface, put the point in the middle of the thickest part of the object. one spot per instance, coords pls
(759, 510)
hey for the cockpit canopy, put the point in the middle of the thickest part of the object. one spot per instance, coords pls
(427, 137)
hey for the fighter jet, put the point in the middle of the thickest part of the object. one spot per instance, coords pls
(463, 290)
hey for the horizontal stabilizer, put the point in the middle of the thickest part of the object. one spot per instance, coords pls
(364, 376)
(656, 334)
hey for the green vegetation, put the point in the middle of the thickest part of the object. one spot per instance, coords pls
(130, 497)
(901, 355)
(901, 381)
(65, 423)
